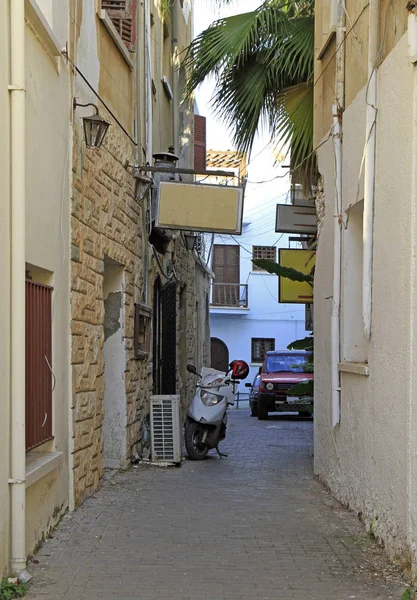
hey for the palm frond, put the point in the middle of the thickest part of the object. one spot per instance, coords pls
(263, 65)
(293, 124)
(276, 269)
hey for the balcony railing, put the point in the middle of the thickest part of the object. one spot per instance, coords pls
(230, 295)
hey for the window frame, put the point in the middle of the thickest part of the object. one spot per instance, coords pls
(142, 331)
(267, 257)
(258, 359)
(39, 375)
(108, 18)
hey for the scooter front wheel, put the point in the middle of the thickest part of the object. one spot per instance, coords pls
(196, 449)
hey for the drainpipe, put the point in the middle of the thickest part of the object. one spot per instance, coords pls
(175, 78)
(148, 81)
(17, 177)
(337, 247)
(337, 225)
(148, 139)
(369, 183)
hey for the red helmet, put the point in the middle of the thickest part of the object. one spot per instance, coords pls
(240, 369)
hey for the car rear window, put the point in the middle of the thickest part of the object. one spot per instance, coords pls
(285, 363)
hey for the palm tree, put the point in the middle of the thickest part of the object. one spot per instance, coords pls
(263, 65)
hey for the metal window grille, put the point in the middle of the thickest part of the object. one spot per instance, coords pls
(260, 346)
(199, 243)
(122, 14)
(38, 364)
(268, 252)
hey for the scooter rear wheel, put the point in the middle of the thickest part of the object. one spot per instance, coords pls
(194, 432)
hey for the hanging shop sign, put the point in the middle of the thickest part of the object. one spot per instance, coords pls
(296, 219)
(200, 207)
(296, 292)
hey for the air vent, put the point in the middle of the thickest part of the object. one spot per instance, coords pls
(165, 429)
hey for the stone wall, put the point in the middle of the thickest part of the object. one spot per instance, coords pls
(105, 225)
(107, 229)
(193, 335)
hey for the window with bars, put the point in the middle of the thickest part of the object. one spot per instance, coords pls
(260, 346)
(38, 364)
(268, 252)
(123, 16)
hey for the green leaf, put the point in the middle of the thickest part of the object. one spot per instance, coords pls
(306, 343)
(263, 64)
(276, 269)
(304, 388)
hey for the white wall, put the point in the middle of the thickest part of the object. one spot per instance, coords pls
(265, 317)
(236, 332)
(368, 459)
(115, 417)
(48, 173)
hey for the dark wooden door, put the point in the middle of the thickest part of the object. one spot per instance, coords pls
(157, 338)
(169, 338)
(219, 355)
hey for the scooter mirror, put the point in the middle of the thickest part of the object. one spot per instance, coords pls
(192, 369)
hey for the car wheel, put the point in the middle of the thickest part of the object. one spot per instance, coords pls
(253, 409)
(262, 411)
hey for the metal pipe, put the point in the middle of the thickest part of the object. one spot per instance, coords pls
(337, 226)
(337, 247)
(148, 82)
(369, 177)
(17, 177)
(158, 169)
(175, 78)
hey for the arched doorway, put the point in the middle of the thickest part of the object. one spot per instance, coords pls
(219, 355)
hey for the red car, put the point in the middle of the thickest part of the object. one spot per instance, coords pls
(279, 372)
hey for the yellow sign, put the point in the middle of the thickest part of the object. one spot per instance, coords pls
(296, 292)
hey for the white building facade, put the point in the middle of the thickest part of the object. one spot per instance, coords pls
(246, 319)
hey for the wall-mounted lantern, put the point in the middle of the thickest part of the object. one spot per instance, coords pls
(190, 240)
(95, 127)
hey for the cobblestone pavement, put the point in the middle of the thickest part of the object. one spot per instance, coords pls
(253, 526)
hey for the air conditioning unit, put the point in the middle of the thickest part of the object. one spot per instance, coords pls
(166, 429)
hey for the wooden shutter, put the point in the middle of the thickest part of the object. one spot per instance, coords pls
(226, 264)
(226, 268)
(123, 16)
(38, 364)
(199, 143)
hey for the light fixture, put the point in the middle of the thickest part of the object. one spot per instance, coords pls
(190, 240)
(95, 127)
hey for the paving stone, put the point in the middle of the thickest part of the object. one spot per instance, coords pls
(254, 526)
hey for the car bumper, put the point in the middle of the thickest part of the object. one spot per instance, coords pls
(279, 403)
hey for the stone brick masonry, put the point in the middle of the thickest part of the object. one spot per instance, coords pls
(107, 223)
(105, 220)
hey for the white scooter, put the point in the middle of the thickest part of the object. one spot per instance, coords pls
(206, 420)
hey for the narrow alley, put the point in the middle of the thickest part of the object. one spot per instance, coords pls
(254, 525)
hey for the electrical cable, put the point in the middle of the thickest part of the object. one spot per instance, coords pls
(66, 56)
(167, 277)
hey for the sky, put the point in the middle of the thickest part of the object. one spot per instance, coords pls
(261, 167)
